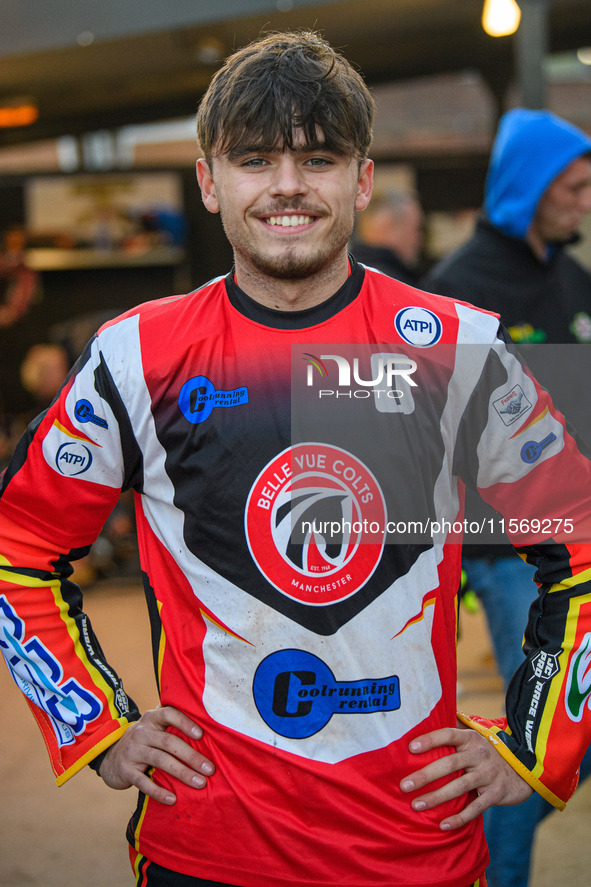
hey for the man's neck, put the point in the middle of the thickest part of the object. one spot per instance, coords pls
(538, 246)
(292, 295)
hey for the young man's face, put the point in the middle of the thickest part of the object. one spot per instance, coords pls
(288, 214)
(565, 203)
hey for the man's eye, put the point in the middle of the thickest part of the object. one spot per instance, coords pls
(319, 161)
(254, 162)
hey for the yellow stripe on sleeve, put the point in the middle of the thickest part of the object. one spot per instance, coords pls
(515, 763)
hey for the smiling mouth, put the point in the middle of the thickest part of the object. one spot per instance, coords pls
(289, 221)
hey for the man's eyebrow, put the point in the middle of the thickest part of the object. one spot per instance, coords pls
(245, 150)
(240, 151)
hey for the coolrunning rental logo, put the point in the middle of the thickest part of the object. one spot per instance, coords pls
(304, 487)
(296, 694)
(199, 396)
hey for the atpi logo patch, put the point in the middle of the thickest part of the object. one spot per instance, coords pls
(73, 458)
(315, 523)
(418, 326)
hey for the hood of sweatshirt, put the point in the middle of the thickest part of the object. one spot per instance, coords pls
(530, 149)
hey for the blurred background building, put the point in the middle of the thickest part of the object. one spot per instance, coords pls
(97, 145)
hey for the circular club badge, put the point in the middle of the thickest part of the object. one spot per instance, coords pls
(315, 523)
(418, 326)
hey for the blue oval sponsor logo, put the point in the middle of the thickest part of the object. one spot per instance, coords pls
(296, 694)
(84, 412)
(418, 326)
(73, 458)
(533, 449)
(199, 396)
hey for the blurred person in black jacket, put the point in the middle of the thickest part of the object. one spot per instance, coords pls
(389, 235)
(538, 190)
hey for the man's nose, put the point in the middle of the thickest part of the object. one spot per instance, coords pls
(288, 179)
(586, 199)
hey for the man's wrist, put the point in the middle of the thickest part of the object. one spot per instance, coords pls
(95, 764)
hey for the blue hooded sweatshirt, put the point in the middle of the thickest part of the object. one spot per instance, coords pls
(539, 299)
(530, 149)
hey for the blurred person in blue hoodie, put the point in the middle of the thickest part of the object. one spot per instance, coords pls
(537, 192)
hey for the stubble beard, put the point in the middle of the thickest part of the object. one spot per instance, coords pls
(291, 266)
(293, 262)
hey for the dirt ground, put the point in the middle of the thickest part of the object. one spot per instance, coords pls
(74, 836)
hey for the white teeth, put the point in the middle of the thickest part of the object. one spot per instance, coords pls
(289, 221)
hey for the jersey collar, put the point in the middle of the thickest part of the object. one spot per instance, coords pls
(297, 320)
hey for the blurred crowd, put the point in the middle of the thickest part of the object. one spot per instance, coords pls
(42, 371)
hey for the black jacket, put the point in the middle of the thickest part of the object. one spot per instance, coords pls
(385, 260)
(538, 301)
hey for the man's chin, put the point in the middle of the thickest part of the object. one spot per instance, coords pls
(292, 267)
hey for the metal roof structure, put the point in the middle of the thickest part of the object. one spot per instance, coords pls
(103, 64)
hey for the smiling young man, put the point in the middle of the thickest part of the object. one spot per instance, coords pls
(297, 434)
(288, 213)
(287, 188)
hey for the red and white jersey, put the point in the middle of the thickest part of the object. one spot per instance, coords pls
(299, 484)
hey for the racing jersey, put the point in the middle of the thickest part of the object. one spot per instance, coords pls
(298, 480)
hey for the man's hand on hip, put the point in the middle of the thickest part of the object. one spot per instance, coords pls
(146, 743)
(479, 769)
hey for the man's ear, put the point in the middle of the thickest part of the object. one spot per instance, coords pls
(365, 185)
(206, 184)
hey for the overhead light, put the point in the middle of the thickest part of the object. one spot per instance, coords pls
(209, 51)
(584, 55)
(500, 17)
(18, 112)
(85, 38)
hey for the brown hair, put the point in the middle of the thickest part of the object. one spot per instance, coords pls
(283, 82)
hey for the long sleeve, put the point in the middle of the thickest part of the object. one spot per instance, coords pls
(523, 458)
(56, 494)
